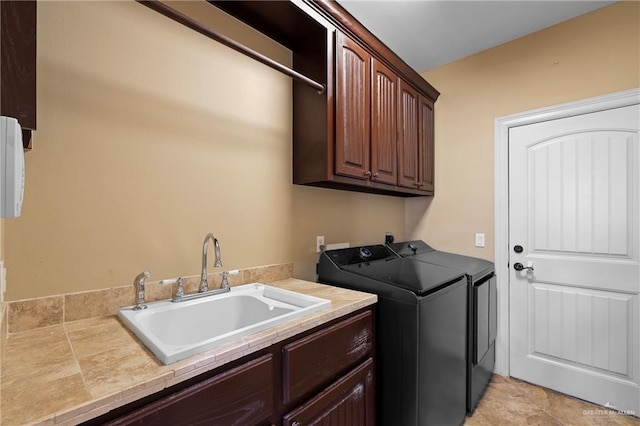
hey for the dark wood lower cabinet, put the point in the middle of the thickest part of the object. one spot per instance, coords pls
(348, 402)
(239, 397)
(310, 362)
(324, 376)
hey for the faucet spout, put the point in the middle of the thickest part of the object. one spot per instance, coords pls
(204, 283)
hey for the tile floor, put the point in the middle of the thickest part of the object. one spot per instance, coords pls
(510, 401)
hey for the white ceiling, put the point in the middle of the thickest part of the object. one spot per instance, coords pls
(430, 33)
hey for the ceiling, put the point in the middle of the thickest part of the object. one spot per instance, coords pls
(430, 33)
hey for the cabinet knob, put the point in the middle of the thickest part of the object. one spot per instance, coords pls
(367, 173)
(375, 175)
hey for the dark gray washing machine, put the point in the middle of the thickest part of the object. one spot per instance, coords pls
(482, 314)
(421, 323)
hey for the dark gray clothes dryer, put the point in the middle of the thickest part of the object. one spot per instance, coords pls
(421, 323)
(482, 313)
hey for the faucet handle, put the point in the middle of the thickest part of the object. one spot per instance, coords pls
(179, 290)
(225, 277)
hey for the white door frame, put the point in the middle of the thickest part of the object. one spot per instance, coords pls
(501, 192)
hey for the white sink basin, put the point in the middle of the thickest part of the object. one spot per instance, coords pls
(174, 331)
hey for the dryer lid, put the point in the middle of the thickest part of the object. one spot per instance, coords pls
(475, 267)
(419, 250)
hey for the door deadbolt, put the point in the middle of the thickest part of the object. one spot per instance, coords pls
(518, 248)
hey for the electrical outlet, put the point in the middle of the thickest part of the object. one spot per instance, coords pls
(479, 240)
(319, 243)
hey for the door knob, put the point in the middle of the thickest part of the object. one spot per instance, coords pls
(520, 267)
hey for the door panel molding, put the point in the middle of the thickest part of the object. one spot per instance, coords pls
(575, 174)
(587, 317)
(501, 192)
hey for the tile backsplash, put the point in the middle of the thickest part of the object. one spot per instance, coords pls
(3, 338)
(27, 314)
(3, 332)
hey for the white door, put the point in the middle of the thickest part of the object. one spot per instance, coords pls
(573, 209)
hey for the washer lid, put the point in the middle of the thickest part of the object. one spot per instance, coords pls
(410, 248)
(417, 277)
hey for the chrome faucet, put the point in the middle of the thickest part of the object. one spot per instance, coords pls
(204, 284)
(138, 283)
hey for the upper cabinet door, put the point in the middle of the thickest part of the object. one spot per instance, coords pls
(18, 63)
(408, 136)
(425, 144)
(384, 129)
(353, 85)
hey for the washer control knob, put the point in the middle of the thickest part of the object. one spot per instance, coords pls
(365, 253)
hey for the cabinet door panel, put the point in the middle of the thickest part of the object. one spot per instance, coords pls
(384, 130)
(408, 136)
(425, 144)
(312, 362)
(348, 402)
(18, 64)
(352, 109)
(241, 396)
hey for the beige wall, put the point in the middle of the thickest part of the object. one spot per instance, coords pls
(149, 136)
(592, 55)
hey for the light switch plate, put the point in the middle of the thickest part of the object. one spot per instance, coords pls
(479, 240)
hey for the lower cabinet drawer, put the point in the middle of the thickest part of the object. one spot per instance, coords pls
(311, 363)
(242, 396)
(348, 402)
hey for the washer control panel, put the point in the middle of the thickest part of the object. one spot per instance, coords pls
(355, 255)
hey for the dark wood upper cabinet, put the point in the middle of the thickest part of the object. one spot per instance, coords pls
(366, 130)
(426, 146)
(358, 135)
(353, 109)
(408, 137)
(415, 141)
(384, 128)
(18, 64)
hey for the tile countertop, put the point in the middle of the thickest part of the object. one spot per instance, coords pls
(72, 372)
